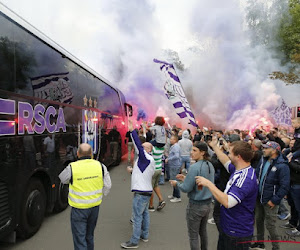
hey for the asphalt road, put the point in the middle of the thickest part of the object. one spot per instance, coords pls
(167, 228)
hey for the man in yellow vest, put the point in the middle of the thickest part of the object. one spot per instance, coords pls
(85, 195)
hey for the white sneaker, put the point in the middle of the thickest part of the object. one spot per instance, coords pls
(170, 196)
(211, 221)
(176, 199)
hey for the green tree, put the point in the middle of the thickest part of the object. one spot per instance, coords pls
(262, 19)
(289, 35)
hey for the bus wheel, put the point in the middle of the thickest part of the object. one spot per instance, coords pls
(62, 197)
(33, 209)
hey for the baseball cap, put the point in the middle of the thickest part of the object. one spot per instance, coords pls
(272, 144)
(202, 146)
(234, 137)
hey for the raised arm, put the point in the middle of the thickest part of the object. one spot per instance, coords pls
(135, 138)
(223, 158)
(220, 196)
(143, 162)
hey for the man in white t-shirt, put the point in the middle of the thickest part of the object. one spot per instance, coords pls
(49, 146)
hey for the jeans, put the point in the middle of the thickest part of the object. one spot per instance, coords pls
(295, 207)
(83, 223)
(167, 171)
(161, 179)
(187, 161)
(264, 212)
(50, 160)
(196, 218)
(141, 218)
(175, 170)
(283, 208)
(227, 242)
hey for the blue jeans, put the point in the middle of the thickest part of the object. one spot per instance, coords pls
(161, 179)
(187, 161)
(283, 208)
(175, 170)
(141, 218)
(167, 171)
(295, 207)
(83, 223)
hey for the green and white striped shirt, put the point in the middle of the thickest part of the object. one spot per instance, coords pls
(157, 154)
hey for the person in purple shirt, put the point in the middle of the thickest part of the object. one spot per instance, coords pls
(239, 197)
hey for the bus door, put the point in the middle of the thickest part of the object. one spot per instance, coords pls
(91, 130)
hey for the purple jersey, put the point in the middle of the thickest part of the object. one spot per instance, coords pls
(238, 221)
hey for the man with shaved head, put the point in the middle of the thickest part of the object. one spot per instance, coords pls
(85, 181)
(141, 185)
(147, 146)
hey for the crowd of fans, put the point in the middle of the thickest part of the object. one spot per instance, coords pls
(248, 175)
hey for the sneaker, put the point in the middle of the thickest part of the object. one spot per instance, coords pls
(284, 216)
(161, 205)
(288, 226)
(294, 232)
(170, 196)
(143, 239)
(129, 245)
(176, 199)
(151, 209)
(211, 221)
(257, 246)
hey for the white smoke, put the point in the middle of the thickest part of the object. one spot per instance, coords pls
(225, 77)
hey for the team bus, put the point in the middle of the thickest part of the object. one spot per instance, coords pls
(50, 102)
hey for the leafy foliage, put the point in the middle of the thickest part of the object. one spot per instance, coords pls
(262, 19)
(289, 34)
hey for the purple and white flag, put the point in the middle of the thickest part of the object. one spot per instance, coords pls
(282, 114)
(54, 87)
(175, 93)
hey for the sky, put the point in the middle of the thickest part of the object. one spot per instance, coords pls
(225, 78)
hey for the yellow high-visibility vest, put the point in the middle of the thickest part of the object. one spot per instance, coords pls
(86, 189)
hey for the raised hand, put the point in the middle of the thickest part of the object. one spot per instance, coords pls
(130, 126)
(214, 142)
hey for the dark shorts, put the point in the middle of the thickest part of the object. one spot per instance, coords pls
(156, 144)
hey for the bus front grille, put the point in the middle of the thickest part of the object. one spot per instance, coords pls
(4, 205)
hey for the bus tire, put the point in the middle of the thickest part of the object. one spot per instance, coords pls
(62, 197)
(33, 209)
